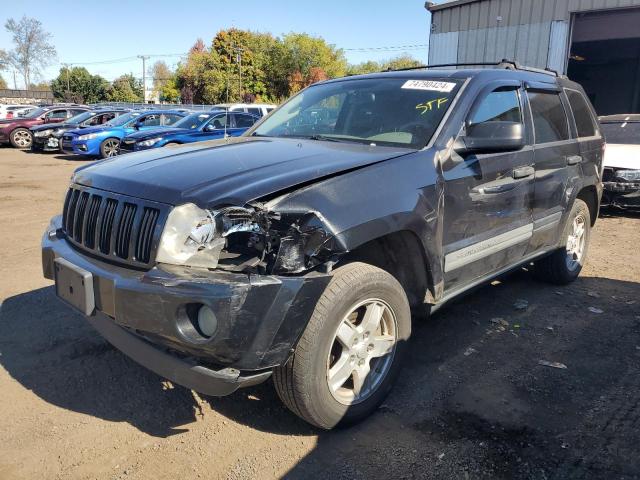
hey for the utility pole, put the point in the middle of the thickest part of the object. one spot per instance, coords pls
(239, 60)
(144, 76)
(67, 66)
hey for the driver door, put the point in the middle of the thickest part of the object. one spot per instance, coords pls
(488, 197)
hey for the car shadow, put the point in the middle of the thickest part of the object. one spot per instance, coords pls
(614, 212)
(472, 396)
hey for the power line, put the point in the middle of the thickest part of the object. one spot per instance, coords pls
(390, 48)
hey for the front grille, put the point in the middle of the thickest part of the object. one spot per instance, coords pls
(112, 226)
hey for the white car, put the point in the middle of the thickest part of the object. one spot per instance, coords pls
(621, 176)
(11, 111)
(258, 109)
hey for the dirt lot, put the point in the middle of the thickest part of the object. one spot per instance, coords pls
(473, 401)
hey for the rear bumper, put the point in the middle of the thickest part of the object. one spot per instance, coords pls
(260, 317)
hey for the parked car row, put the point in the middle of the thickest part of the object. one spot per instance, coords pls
(14, 111)
(107, 131)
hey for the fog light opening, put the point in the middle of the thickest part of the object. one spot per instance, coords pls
(207, 323)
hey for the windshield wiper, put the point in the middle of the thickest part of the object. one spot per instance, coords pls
(325, 138)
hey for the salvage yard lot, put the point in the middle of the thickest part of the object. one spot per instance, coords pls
(473, 400)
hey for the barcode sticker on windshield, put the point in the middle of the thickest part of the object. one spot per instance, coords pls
(429, 85)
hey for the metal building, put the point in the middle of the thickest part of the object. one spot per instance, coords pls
(594, 42)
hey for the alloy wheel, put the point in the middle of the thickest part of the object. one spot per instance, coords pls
(362, 351)
(22, 138)
(576, 242)
(111, 148)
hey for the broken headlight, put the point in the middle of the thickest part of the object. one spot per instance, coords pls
(195, 237)
(244, 239)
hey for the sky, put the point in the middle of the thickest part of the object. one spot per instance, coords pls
(85, 32)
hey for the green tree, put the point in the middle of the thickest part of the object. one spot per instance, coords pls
(401, 61)
(125, 88)
(364, 67)
(170, 92)
(294, 57)
(78, 85)
(3, 84)
(32, 50)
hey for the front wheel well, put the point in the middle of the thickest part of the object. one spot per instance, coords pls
(589, 195)
(401, 254)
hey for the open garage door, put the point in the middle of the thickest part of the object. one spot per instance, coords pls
(605, 59)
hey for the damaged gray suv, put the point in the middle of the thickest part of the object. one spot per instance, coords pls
(300, 250)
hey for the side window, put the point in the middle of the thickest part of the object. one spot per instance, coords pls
(244, 121)
(217, 122)
(549, 118)
(150, 121)
(73, 113)
(501, 105)
(57, 115)
(93, 121)
(170, 118)
(255, 111)
(581, 114)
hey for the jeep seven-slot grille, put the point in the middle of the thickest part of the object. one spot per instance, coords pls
(121, 228)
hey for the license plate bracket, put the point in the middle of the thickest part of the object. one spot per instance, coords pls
(74, 285)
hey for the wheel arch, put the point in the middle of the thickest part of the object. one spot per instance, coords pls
(589, 195)
(402, 254)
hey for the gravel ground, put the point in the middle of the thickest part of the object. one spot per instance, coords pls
(473, 401)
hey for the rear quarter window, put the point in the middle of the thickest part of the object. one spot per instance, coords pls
(581, 113)
(549, 118)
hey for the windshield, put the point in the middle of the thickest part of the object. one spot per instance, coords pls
(81, 117)
(627, 133)
(192, 121)
(36, 113)
(122, 119)
(382, 111)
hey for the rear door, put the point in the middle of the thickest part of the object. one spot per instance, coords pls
(590, 141)
(488, 197)
(556, 158)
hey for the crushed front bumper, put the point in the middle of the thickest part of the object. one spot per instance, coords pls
(621, 194)
(142, 313)
(46, 144)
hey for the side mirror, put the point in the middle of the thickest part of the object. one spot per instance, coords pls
(491, 137)
(209, 128)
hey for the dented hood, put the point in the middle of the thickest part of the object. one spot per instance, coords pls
(228, 172)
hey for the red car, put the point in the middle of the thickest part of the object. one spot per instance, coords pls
(16, 130)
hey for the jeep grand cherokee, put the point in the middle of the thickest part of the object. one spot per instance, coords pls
(300, 249)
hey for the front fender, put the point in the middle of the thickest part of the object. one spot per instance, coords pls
(401, 194)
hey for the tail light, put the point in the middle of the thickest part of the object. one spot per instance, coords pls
(9, 114)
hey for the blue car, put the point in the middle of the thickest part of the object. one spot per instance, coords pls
(193, 128)
(104, 141)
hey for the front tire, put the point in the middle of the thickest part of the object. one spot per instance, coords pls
(21, 138)
(109, 148)
(351, 350)
(564, 265)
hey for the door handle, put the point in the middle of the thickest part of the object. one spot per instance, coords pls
(523, 172)
(574, 159)
(493, 189)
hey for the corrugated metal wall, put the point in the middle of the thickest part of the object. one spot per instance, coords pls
(485, 13)
(533, 32)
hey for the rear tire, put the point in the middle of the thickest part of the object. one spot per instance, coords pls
(564, 265)
(351, 351)
(21, 138)
(109, 147)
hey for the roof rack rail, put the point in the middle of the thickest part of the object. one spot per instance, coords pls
(504, 63)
